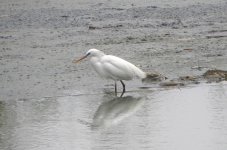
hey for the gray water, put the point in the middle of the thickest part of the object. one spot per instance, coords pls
(175, 119)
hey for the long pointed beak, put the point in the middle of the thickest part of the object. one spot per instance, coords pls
(77, 61)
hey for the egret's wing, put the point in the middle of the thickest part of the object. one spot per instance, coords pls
(116, 73)
(121, 69)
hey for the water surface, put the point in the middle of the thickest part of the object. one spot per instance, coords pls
(174, 119)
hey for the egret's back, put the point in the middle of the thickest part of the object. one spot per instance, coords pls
(118, 69)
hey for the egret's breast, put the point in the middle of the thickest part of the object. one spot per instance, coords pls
(98, 67)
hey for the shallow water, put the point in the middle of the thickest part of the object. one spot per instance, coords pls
(188, 118)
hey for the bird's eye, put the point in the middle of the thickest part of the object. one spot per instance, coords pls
(88, 53)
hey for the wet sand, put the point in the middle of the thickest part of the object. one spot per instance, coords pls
(39, 40)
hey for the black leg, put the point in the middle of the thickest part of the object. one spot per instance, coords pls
(115, 85)
(123, 85)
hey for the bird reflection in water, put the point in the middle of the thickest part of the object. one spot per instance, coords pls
(116, 110)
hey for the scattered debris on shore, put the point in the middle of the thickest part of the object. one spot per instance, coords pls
(213, 75)
(154, 77)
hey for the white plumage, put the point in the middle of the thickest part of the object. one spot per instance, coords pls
(112, 67)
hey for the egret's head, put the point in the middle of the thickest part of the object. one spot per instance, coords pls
(90, 53)
(94, 52)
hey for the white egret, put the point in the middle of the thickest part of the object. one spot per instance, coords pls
(112, 67)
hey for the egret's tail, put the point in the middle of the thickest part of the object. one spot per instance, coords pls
(138, 72)
(141, 74)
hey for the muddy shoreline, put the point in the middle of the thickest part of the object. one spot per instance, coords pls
(39, 40)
